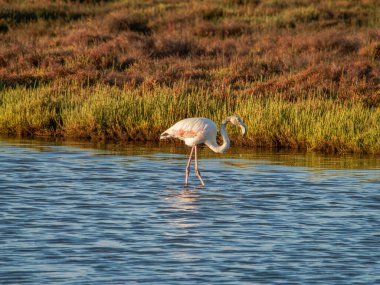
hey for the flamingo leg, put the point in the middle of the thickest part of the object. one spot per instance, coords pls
(188, 165)
(196, 166)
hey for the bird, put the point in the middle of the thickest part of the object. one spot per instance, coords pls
(196, 131)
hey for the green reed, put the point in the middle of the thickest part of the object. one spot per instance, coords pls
(103, 112)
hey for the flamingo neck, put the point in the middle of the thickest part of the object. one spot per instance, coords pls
(226, 140)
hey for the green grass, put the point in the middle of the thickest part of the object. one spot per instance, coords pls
(104, 112)
(302, 74)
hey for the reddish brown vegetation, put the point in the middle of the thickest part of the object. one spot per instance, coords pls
(290, 47)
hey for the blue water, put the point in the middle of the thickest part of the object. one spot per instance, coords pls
(83, 214)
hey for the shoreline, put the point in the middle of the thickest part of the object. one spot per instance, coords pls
(176, 146)
(104, 113)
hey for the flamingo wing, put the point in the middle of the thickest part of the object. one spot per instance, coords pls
(192, 131)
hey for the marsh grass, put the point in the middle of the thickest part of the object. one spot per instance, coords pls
(101, 112)
(303, 74)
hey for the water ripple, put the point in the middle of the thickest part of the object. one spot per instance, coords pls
(81, 215)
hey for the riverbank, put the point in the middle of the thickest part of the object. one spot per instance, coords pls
(102, 112)
(302, 74)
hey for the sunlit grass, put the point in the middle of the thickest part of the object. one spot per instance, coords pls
(103, 112)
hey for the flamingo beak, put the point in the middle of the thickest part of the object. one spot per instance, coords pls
(243, 129)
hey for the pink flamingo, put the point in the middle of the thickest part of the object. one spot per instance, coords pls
(194, 131)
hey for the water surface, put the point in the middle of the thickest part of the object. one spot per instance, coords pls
(78, 213)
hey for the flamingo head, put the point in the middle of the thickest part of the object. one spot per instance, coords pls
(237, 121)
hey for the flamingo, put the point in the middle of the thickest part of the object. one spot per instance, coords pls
(195, 131)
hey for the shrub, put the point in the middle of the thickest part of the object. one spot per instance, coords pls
(224, 30)
(292, 17)
(329, 40)
(371, 50)
(213, 14)
(25, 15)
(175, 46)
(126, 21)
(4, 28)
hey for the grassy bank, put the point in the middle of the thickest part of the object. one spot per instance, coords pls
(302, 74)
(104, 112)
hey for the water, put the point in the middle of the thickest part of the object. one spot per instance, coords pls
(83, 214)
